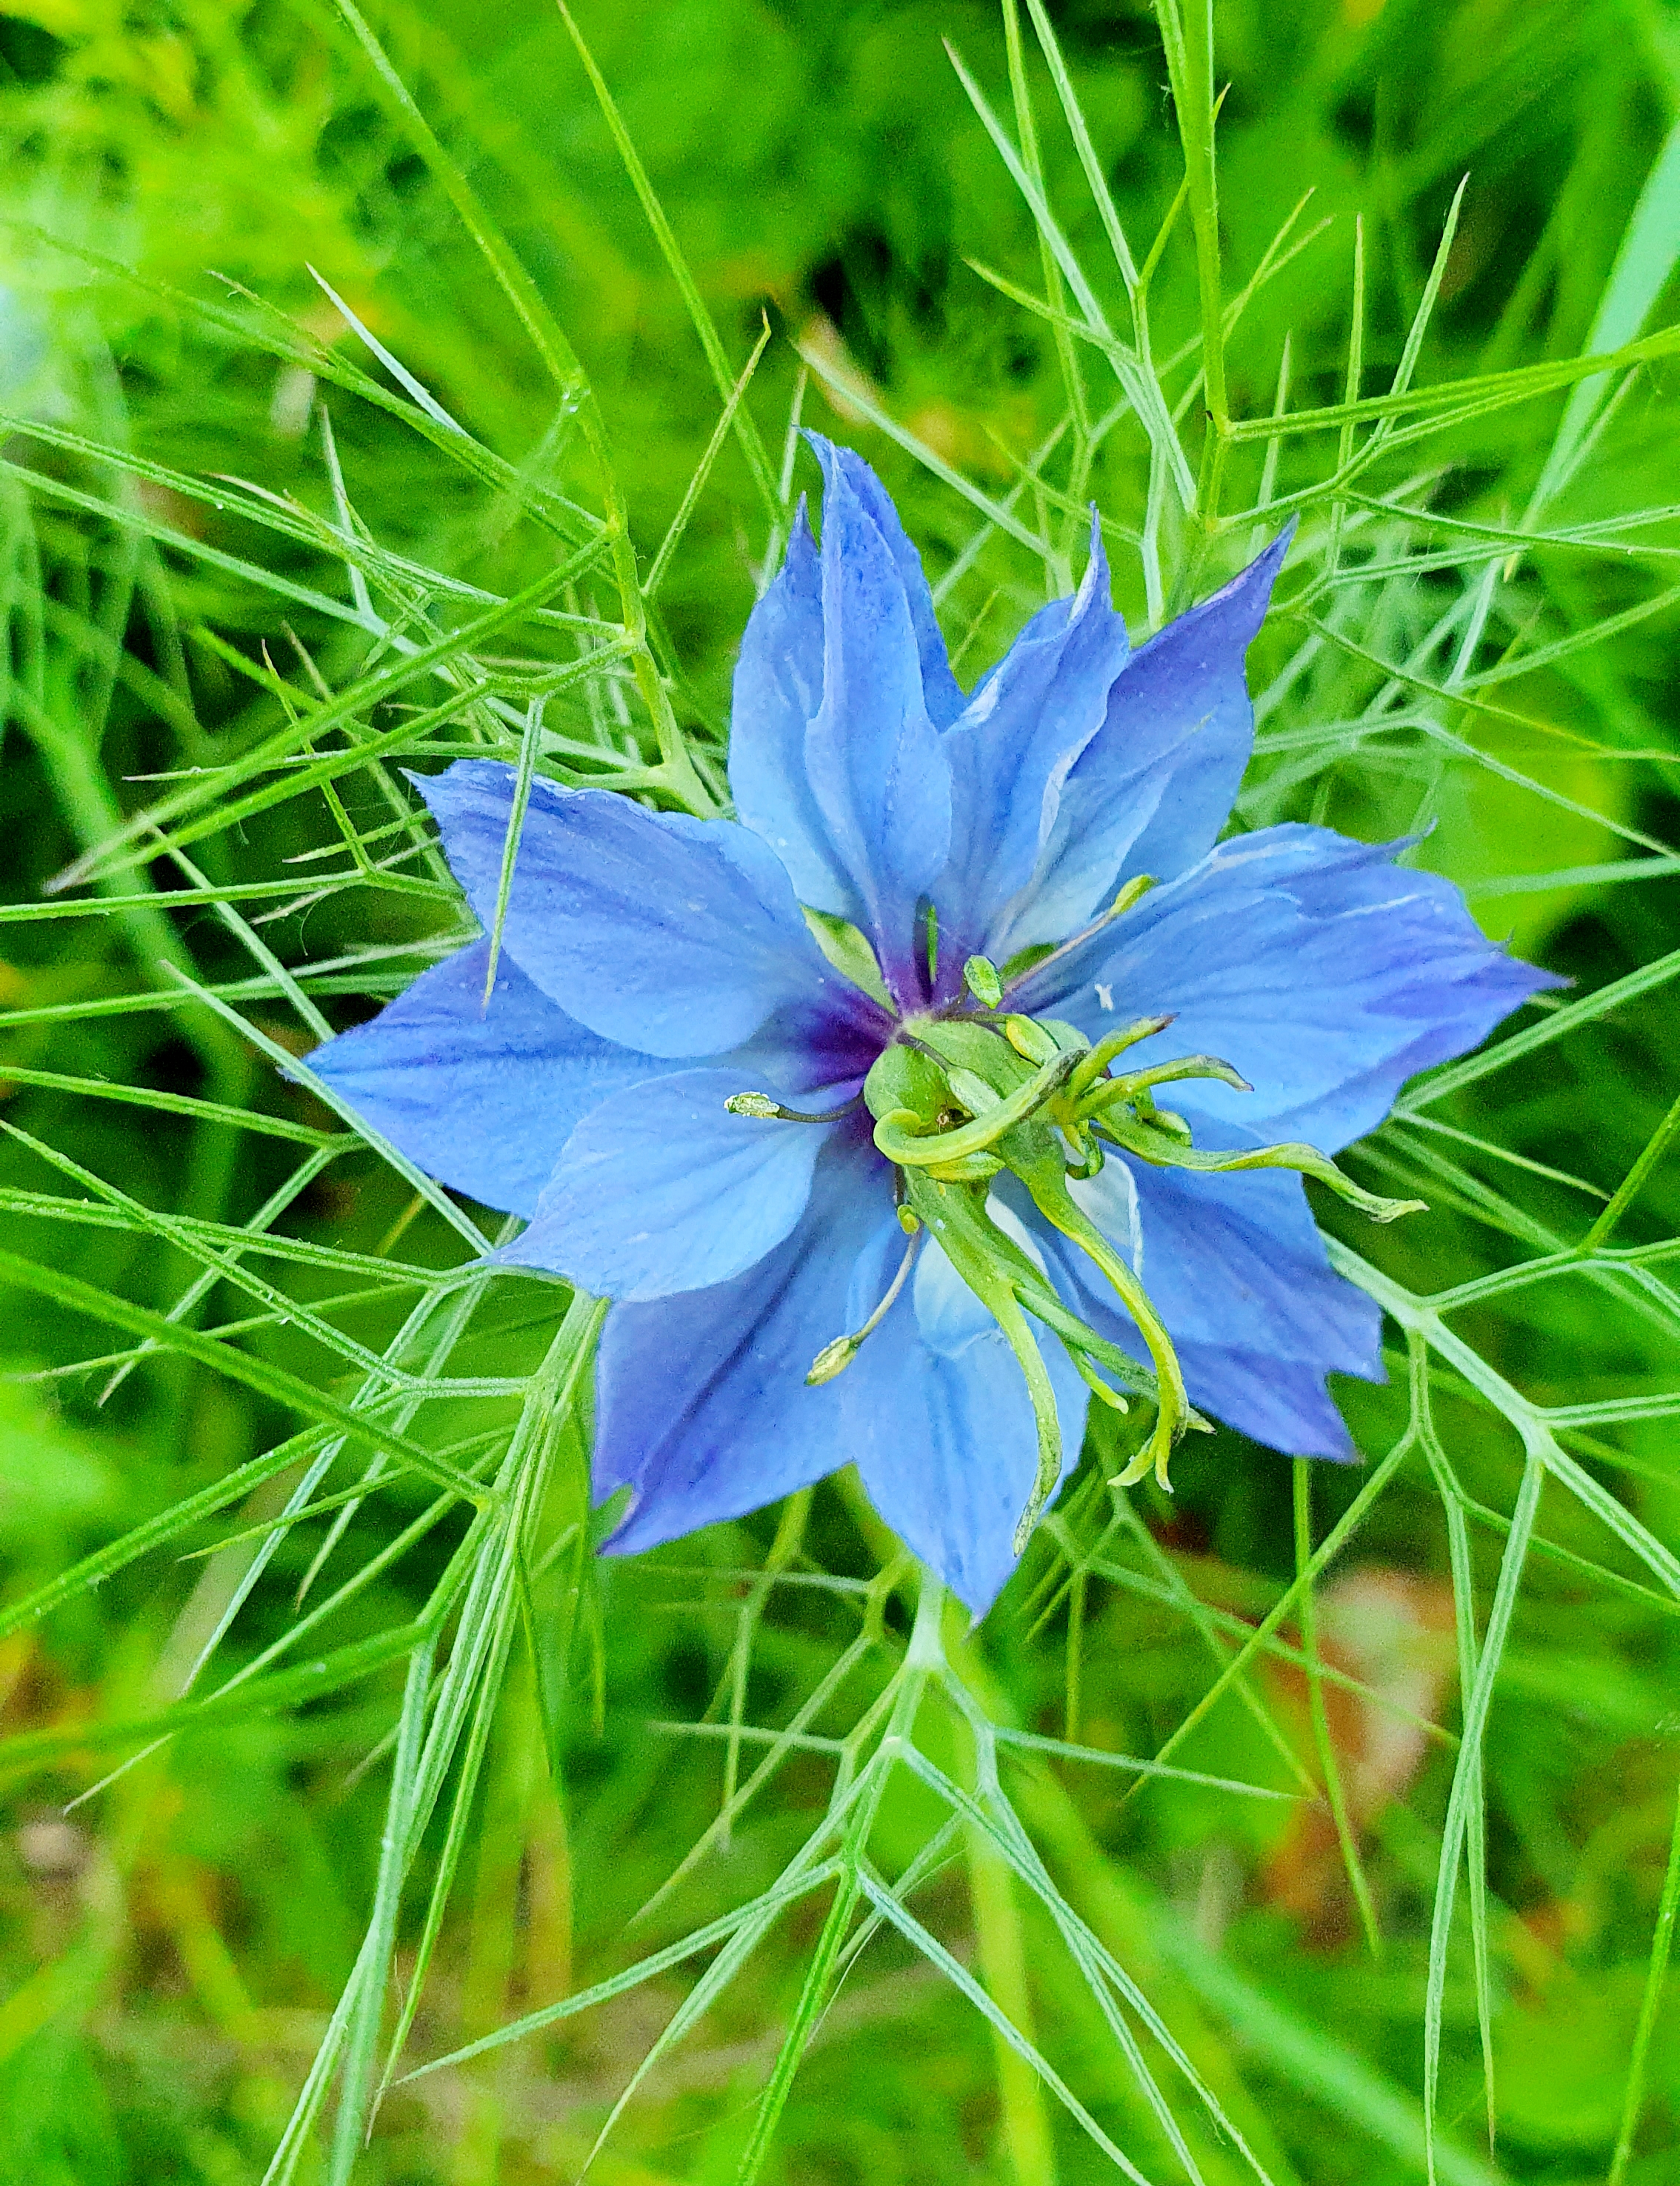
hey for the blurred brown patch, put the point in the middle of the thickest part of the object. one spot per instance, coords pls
(1393, 1632)
(820, 340)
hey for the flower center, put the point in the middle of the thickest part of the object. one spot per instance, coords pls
(964, 1095)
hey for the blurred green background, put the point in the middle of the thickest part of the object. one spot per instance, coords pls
(170, 1952)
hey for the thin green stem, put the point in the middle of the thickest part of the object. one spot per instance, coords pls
(1631, 1186)
(1335, 1790)
(1656, 1973)
(925, 1654)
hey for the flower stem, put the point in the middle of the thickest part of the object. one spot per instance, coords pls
(1002, 1950)
(925, 1654)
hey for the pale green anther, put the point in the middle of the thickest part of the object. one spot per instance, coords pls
(909, 1221)
(849, 951)
(1030, 1040)
(983, 981)
(761, 1105)
(833, 1359)
(1134, 892)
(974, 1093)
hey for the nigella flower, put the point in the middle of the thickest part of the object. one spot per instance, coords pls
(847, 1104)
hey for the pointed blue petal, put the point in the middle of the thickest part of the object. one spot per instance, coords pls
(678, 937)
(701, 1402)
(662, 1189)
(1237, 1262)
(483, 1099)
(942, 1427)
(778, 689)
(1012, 752)
(940, 689)
(1324, 972)
(872, 754)
(1281, 1403)
(1152, 789)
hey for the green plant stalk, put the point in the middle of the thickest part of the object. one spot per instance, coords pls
(1078, 409)
(1334, 1791)
(1002, 1951)
(922, 1661)
(576, 388)
(1633, 1183)
(1656, 1974)
(1188, 44)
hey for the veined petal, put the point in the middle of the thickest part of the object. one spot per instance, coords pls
(1010, 752)
(1237, 1262)
(481, 1098)
(872, 754)
(662, 1189)
(675, 936)
(1324, 972)
(701, 1401)
(1150, 790)
(1281, 1403)
(941, 1426)
(778, 689)
(940, 689)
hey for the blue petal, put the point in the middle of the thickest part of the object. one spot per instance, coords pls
(1010, 754)
(1324, 972)
(661, 1188)
(1237, 1270)
(678, 937)
(1281, 1403)
(701, 1401)
(778, 687)
(942, 1427)
(1152, 789)
(872, 754)
(940, 689)
(481, 1098)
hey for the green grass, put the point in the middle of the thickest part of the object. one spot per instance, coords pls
(383, 390)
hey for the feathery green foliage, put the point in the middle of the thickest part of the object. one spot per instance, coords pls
(381, 387)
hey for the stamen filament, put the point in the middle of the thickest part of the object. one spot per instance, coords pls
(764, 1105)
(1134, 892)
(834, 1358)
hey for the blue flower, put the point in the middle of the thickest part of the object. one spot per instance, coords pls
(938, 925)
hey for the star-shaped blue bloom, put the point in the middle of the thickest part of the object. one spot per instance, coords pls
(655, 967)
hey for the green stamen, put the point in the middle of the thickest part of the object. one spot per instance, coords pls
(772, 1110)
(982, 978)
(835, 1358)
(958, 1098)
